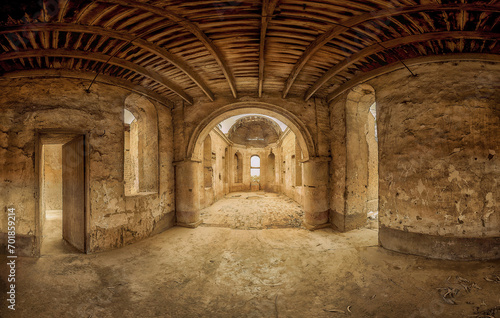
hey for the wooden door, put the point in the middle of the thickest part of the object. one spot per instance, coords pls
(73, 169)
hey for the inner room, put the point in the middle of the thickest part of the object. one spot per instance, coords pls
(62, 186)
(52, 199)
(252, 174)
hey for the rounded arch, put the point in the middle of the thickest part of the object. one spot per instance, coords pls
(294, 124)
(140, 146)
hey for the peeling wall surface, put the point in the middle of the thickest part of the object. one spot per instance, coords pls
(439, 166)
(29, 106)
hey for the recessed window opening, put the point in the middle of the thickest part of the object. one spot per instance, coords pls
(140, 149)
(255, 168)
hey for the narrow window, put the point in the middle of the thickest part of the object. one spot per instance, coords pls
(140, 150)
(207, 162)
(255, 168)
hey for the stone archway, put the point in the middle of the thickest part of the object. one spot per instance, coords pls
(296, 126)
(315, 200)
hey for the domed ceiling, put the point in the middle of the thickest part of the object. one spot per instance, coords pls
(254, 131)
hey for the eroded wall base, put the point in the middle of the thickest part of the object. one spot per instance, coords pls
(442, 247)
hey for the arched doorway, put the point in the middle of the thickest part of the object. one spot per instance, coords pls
(310, 191)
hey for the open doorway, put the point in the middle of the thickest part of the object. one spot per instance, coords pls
(62, 193)
(255, 197)
(372, 189)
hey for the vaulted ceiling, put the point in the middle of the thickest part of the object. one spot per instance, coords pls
(184, 49)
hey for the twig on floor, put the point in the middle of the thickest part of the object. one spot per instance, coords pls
(335, 310)
(276, 306)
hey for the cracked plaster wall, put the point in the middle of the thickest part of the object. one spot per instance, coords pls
(30, 105)
(439, 149)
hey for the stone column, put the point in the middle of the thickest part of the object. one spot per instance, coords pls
(315, 182)
(187, 188)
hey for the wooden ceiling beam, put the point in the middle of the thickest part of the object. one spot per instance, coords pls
(100, 58)
(120, 35)
(88, 76)
(363, 78)
(336, 30)
(387, 45)
(191, 27)
(268, 7)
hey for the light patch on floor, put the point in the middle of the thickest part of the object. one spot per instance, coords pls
(254, 210)
(53, 243)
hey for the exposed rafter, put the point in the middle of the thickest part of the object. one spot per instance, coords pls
(78, 28)
(191, 27)
(268, 7)
(109, 80)
(100, 58)
(387, 45)
(410, 62)
(336, 30)
(251, 47)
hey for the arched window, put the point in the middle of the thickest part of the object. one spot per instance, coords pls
(298, 164)
(140, 147)
(255, 168)
(225, 161)
(207, 162)
(238, 168)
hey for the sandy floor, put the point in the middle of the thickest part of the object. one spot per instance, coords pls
(53, 243)
(254, 210)
(223, 272)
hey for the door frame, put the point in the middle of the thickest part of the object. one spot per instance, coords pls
(70, 134)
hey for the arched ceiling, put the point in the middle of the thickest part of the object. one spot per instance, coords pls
(183, 50)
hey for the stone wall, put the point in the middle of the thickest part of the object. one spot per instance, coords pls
(337, 191)
(351, 187)
(217, 162)
(438, 160)
(291, 166)
(28, 106)
(246, 154)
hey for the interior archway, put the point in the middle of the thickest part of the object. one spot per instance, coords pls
(256, 146)
(296, 126)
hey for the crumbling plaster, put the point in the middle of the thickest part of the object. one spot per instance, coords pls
(439, 170)
(31, 106)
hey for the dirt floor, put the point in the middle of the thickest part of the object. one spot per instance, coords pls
(254, 210)
(223, 272)
(52, 233)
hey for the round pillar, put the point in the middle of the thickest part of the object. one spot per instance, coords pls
(315, 182)
(187, 193)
